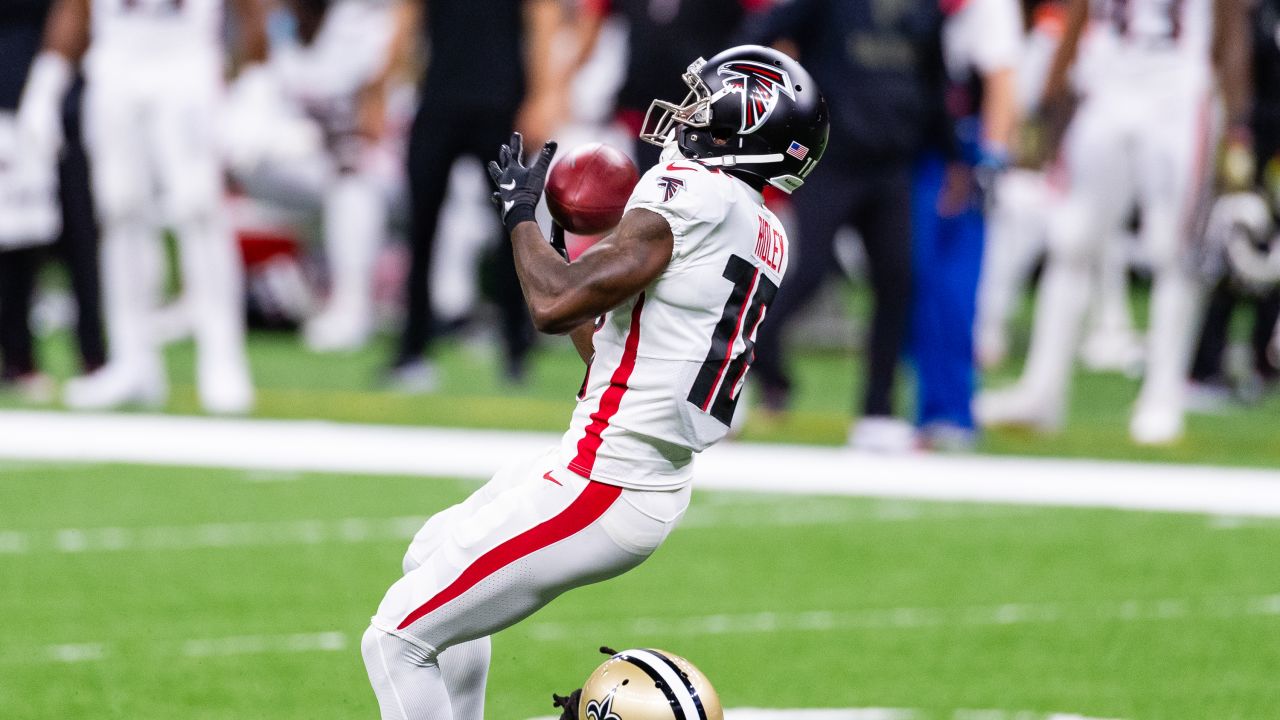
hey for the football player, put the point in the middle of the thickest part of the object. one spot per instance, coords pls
(155, 73)
(313, 88)
(665, 312)
(1142, 134)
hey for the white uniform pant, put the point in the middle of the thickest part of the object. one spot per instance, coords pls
(153, 138)
(1149, 146)
(534, 531)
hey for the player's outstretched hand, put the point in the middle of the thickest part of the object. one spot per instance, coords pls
(519, 187)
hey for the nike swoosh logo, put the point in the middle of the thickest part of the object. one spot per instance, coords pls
(508, 185)
(547, 476)
(673, 167)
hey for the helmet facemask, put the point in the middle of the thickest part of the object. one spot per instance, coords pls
(661, 119)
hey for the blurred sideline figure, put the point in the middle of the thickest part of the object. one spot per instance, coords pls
(1143, 133)
(661, 37)
(295, 141)
(489, 68)
(981, 46)
(43, 198)
(1018, 222)
(1249, 273)
(881, 65)
(155, 70)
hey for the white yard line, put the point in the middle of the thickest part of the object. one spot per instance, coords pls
(295, 446)
(914, 618)
(903, 619)
(883, 714)
(358, 530)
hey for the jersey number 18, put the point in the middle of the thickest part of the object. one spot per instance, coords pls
(715, 388)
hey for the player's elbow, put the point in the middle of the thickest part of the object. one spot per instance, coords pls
(552, 320)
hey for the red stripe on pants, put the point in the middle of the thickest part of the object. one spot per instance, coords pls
(590, 443)
(590, 504)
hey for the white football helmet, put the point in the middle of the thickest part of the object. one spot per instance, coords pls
(1242, 237)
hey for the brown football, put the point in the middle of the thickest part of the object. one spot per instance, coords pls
(589, 187)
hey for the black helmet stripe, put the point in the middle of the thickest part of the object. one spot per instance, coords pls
(684, 706)
(688, 684)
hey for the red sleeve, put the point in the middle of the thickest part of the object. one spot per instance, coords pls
(597, 7)
(756, 5)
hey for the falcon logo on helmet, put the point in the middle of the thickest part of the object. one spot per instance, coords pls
(752, 112)
(759, 85)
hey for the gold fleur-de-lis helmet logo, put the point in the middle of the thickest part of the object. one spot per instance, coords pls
(603, 709)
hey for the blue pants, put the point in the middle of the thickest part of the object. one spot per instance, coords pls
(946, 262)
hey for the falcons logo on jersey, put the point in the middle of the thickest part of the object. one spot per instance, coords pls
(759, 85)
(670, 186)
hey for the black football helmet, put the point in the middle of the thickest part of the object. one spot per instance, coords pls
(750, 110)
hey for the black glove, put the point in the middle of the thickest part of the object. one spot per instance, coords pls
(519, 187)
(568, 703)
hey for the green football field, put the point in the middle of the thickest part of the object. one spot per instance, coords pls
(155, 592)
(163, 592)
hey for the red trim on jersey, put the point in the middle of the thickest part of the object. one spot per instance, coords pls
(590, 443)
(733, 340)
(590, 504)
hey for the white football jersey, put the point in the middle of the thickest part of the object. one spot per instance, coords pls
(1146, 43)
(157, 33)
(670, 363)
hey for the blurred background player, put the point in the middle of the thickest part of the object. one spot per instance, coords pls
(881, 65)
(490, 68)
(981, 46)
(1143, 133)
(155, 71)
(296, 141)
(1018, 219)
(31, 171)
(661, 37)
(1211, 377)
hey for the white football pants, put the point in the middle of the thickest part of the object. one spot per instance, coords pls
(534, 531)
(1017, 235)
(156, 163)
(1151, 147)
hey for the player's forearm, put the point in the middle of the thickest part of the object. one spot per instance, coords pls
(1056, 85)
(547, 282)
(251, 20)
(66, 32)
(542, 23)
(1233, 51)
(405, 23)
(999, 109)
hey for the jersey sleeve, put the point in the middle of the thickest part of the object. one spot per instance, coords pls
(688, 196)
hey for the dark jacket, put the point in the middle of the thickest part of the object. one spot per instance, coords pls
(879, 64)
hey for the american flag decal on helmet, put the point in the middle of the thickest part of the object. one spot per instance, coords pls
(759, 84)
(670, 186)
(798, 151)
